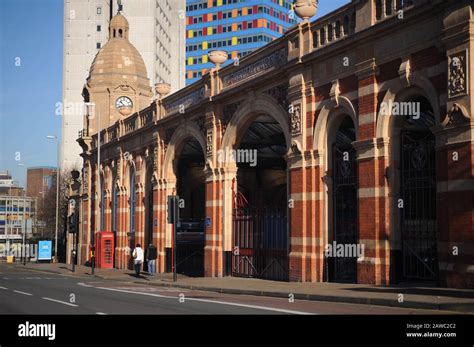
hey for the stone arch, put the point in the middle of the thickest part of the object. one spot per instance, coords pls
(248, 112)
(331, 114)
(177, 142)
(397, 91)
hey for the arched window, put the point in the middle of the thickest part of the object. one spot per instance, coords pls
(120, 33)
(102, 202)
(115, 34)
(322, 36)
(133, 201)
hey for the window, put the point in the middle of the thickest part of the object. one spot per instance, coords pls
(99, 28)
(98, 45)
(99, 10)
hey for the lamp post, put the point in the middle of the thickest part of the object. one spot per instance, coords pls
(23, 253)
(54, 137)
(99, 195)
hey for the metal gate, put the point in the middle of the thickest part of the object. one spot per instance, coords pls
(418, 215)
(260, 244)
(345, 210)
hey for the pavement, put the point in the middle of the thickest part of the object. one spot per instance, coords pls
(325, 297)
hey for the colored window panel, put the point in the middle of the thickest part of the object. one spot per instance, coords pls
(209, 3)
(204, 59)
(219, 2)
(234, 13)
(234, 54)
(209, 17)
(209, 31)
(204, 45)
(190, 74)
(234, 26)
(190, 34)
(260, 23)
(234, 41)
(190, 61)
(245, 11)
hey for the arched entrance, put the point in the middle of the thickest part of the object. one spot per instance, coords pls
(417, 204)
(190, 187)
(342, 267)
(260, 228)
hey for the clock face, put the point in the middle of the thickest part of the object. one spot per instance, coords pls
(123, 101)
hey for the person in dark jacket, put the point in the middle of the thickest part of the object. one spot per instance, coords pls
(151, 258)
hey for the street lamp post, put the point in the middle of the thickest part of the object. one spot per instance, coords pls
(25, 225)
(99, 195)
(54, 137)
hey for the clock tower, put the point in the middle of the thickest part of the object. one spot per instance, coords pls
(118, 84)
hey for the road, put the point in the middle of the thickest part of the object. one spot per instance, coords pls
(25, 291)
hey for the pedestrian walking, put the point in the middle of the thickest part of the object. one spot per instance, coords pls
(137, 259)
(151, 258)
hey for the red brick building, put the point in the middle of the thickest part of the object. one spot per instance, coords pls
(362, 130)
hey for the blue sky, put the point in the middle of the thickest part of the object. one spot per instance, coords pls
(32, 30)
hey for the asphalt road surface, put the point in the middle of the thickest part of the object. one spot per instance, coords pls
(25, 291)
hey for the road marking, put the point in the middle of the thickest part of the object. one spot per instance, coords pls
(4, 288)
(101, 313)
(211, 301)
(84, 285)
(61, 302)
(24, 293)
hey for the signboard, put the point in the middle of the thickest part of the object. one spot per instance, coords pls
(45, 250)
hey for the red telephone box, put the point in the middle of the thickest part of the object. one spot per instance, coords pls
(105, 247)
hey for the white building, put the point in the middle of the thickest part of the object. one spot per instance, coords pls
(158, 33)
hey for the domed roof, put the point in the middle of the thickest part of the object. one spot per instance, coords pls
(119, 21)
(118, 59)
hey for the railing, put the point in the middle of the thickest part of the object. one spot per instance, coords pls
(334, 27)
(130, 124)
(388, 8)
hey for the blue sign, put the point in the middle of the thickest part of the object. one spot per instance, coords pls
(45, 250)
(208, 222)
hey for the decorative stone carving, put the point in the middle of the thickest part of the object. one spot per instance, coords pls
(85, 180)
(306, 9)
(271, 61)
(156, 154)
(185, 102)
(335, 92)
(209, 142)
(280, 93)
(457, 82)
(295, 116)
(457, 115)
(168, 134)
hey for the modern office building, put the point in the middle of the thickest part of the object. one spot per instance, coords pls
(158, 34)
(236, 26)
(17, 212)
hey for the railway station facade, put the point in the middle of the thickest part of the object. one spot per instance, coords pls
(354, 129)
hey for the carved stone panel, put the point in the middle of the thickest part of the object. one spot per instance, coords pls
(457, 77)
(209, 142)
(228, 113)
(280, 93)
(295, 114)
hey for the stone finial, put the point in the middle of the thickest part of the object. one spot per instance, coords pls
(218, 57)
(162, 89)
(305, 9)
